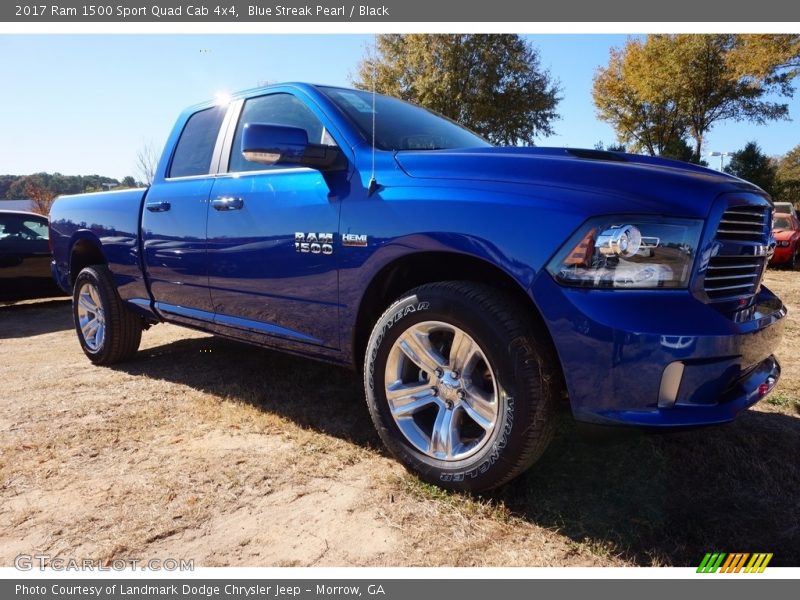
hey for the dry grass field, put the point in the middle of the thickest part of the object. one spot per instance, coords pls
(207, 449)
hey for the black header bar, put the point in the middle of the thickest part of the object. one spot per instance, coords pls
(393, 11)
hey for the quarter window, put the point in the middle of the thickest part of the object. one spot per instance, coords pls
(196, 144)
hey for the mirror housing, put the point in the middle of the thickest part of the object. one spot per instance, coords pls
(270, 144)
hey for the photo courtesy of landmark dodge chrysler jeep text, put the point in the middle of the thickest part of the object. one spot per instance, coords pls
(476, 286)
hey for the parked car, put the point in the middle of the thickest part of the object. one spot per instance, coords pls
(25, 257)
(476, 286)
(786, 231)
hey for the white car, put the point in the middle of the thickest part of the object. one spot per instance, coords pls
(785, 207)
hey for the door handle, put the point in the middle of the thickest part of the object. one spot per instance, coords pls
(158, 206)
(227, 203)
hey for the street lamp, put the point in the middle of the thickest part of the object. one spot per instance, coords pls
(722, 156)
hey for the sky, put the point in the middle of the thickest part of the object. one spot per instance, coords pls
(86, 104)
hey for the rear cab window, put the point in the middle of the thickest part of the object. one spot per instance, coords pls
(195, 148)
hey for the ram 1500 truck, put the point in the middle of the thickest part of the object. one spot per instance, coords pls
(475, 286)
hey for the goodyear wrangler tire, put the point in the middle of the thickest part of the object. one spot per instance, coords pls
(108, 332)
(460, 385)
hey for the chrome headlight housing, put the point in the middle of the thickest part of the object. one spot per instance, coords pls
(630, 252)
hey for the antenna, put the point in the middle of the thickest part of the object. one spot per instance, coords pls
(373, 183)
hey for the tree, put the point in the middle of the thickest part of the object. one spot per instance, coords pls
(788, 175)
(146, 162)
(679, 149)
(41, 197)
(493, 84)
(766, 56)
(644, 125)
(127, 182)
(669, 87)
(752, 165)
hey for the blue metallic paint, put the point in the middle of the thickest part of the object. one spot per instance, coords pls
(237, 273)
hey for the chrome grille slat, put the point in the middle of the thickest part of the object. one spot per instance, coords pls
(722, 277)
(736, 275)
(741, 266)
(729, 222)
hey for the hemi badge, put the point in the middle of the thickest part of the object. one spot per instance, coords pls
(354, 239)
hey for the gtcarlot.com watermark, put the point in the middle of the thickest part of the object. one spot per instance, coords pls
(42, 562)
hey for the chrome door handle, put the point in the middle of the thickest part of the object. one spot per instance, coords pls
(158, 206)
(227, 203)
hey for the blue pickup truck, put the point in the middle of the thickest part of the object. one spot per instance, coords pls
(476, 287)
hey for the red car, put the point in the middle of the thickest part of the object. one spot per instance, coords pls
(786, 231)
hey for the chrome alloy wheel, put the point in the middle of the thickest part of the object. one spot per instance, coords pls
(442, 391)
(91, 317)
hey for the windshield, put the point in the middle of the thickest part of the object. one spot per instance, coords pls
(400, 125)
(782, 223)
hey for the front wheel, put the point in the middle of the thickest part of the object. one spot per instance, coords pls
(460, 385)
(108, 332)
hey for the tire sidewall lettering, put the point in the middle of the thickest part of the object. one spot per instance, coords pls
(410, 306)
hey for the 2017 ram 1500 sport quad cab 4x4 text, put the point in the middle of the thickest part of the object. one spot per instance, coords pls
(474, 285)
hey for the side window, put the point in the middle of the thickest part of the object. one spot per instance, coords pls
(34, 230)
(196, 144)
(16, 228)
(275, 109)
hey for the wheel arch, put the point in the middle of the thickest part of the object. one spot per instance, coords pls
(85, 250)
(412, 270)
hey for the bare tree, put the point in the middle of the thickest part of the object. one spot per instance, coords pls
(146, 162)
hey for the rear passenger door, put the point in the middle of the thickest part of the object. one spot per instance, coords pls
(261, 281)
(174, 221)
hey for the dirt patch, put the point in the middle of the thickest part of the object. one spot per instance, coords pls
(226, 454)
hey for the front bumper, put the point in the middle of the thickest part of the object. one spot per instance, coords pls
(659, 358)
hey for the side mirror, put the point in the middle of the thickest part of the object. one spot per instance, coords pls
(269, 144)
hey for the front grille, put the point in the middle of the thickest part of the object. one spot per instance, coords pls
(743, 223)
(731, 276)
(735, 269)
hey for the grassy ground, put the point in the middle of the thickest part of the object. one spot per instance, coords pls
(208, 449)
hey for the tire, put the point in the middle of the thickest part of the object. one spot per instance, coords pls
(793, 261)
(107, 331)
(494, 419)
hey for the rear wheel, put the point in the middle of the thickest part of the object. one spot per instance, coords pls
(459, 383)
(108, 332)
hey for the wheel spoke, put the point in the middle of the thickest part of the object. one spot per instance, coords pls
(405, 399)
(444, 437)
(461, 351)
(93, 293)
(480, 408)
(85, 301)
(417, 347)
(89, 328)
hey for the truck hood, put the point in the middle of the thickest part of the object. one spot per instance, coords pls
(641, 183)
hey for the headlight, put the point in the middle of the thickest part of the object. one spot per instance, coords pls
(784, 243)
(631, 252)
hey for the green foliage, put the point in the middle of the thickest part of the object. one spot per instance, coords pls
(679, 149)
(15, 186)
(752, 165)
(127, 182)
(788, 175)
(666, 88)
(492, 84)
